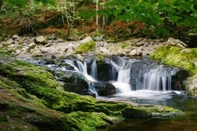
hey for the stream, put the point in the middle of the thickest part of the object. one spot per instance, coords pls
(186, 122)
(138, 80)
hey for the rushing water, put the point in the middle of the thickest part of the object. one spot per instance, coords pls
(142, 82)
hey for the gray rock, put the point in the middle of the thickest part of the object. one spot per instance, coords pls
(17, 51)
(177, 42)
(98, 38)
(87, 39)
(60, 40)
(145, 53)
(139, 51)
(104, 50)
(40, 39)
(191, 86)
(133, 52)
(15, 36)
(10, 41)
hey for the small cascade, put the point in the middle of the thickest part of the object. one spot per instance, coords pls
(123, 79)
(94, 69)
(157, 79)
(82, 68)
(127, 75)
(139, 75)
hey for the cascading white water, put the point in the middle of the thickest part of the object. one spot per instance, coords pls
(158, 79)
(127, 75)
(94, 69)
(122, 83)
(123, 79)
(150, 77)
(82, 68)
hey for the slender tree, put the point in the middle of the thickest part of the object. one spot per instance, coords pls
(103, 20)
(97, 21)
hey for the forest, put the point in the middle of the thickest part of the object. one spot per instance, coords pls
(114, 19)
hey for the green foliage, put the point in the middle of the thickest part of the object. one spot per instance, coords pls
(17, 2)
(160, 16)
(23, 3)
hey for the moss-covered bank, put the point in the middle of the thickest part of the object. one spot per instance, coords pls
(180, 57)
(176, 56)
(32, 99)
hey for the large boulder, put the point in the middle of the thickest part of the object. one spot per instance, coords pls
(107, 90)
(77, 82)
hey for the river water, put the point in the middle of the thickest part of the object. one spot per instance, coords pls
(186, 122)
(143, 82)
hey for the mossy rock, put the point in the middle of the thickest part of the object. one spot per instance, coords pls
(176, 56)
(85, 47)
(191, 86)
(93, 120)
(29, 97)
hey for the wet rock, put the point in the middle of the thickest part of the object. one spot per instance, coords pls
(75, 82)
(107, 90)
(178, 79)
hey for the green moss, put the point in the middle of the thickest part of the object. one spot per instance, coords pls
(3, 51)
(100, 58)
(124, 45)
(85, 47)
(29, 96)
(176, 56)
(90, 121)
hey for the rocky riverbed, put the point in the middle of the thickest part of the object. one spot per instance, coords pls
(46, 46)
(171, 52)
(32, 99)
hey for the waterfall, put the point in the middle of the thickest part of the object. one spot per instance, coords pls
(139, 75)
(82, 68)
(127, 75)
(94, 69)
(158, 79)
(123, 78)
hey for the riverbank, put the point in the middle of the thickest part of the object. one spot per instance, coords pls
(32, 98)
(171, 52)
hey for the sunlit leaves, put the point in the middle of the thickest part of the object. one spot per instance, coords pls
(86, 15)
(156, 13)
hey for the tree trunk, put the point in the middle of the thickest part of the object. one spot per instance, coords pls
(103, 21)
(97, 24)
